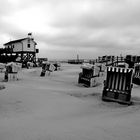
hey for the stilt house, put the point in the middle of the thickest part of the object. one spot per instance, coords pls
(22, 50)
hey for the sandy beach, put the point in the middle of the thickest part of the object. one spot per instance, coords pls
(55, 107)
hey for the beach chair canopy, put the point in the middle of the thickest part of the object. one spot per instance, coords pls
(119, 78)
(45, 62)
(87, 66)
(30, 64)
(51, 67)
(118, 84)
(136, 75)
(123, 65)
(2, 65)
(137, 70)
(89, 69)
(88, 75)
(13, 67)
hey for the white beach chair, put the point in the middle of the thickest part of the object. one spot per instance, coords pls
(89, 75)
(12, 70)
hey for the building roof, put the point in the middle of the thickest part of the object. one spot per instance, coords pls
(18, 40)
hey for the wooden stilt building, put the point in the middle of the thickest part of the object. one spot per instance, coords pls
(21, 50)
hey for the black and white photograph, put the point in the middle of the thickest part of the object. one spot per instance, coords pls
(69, 69)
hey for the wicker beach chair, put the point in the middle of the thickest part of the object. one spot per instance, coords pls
(89, 75)
(47, 67)
(118, 85)
(136, 75)
(102, 68)
(12, 70)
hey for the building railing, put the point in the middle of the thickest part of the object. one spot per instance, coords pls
(6, 50)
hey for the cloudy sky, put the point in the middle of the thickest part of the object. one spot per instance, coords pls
(65, 28)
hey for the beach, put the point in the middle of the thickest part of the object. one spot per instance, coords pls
(56, 107)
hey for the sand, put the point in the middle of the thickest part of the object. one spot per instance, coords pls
(55, 107)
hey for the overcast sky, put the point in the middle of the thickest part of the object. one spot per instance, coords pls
(65, 28)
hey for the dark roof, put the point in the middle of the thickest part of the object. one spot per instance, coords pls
(18, 40)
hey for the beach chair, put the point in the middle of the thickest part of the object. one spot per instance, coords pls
(118, 85)
(2, 67)
(12, 70)
(30, 65)
(2, 71)
(57, 66)
(89, 75)
(47, 67)
(102, 68)
(136, 75)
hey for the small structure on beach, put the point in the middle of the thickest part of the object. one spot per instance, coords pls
(118, 85)
(12, 70)
(30, 65)
(132, 60)
(9, 71)
(136, 75)
(89, 75)
(22, 50)
(101, 67)
(57, 65)
(47, 67)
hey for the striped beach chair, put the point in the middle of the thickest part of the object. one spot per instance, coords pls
(136, 75)
(118, 85)
(89, 75)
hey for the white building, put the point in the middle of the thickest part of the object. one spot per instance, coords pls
(22, 45)
(25, 49)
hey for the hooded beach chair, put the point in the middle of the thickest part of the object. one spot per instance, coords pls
(88, 75)
(2, 67)
(2, 71)
(136, 75)
(118, 85)
(57, 66)
(102, 68)
(30, 65)
(12, 70)
(47, 67)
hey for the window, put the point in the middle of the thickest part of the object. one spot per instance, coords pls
(28, 41)
(28, 45)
